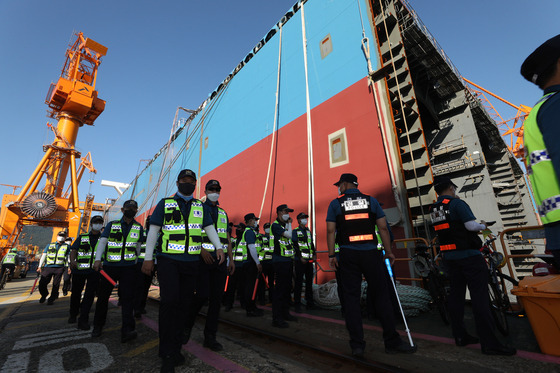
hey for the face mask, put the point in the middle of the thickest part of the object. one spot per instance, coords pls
(129, 213)
(267, 231)
(339, 192)
(303, 221)
(285, 217)
(186, 189)
(255, 224)
(60, 238)
(96, 227)
(213, 197)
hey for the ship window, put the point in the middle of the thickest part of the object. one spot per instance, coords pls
(338, 148)
(326, 46)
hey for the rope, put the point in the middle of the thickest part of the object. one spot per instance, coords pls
(274, 125)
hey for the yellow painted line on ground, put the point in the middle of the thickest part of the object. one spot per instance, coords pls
(113, 328)
(145, 347)
(46, 309)
(34, 323)
(7, 311)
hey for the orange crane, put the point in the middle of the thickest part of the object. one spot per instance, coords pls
(511, 129)
(73, 102)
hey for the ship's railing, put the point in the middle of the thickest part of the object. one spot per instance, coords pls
(406, 244)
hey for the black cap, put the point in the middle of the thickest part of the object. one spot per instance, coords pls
(350, 178)
(284, 207)
(266, 225)
(251, 216)
(62, 233)
(213, 183)
(441, 182)
(130, 203)
(97, 218)
(541, 60)
(302, 215)
(185, 173)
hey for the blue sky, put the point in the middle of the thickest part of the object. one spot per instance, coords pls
(166, 54)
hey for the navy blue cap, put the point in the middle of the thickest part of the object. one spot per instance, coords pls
(185, 173)
(541, 60)
(251, 216)
(350, 178)
(284, 207)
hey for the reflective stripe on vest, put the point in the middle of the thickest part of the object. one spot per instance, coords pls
(265, 252)
(546, 188)
(221, 227)
(56, 257)
(240, 252)
(86, 253)
(304, 242)
(175, 232)
(9, 258)
(120, 247)
(142, 254)
(283, 242)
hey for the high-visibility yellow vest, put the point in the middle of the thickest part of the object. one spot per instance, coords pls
(240, 253)
(86, 253)
(120, 247)
(221, 227)
(265, 249)
(284, 243)
(9, 258)
(57, 256)
(304, 242)
(179, 236)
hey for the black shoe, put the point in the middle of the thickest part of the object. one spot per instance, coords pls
(358, 352)
(228, 308)
(138, 315)
(83, 326)
(179, 359)
(501, 350)
(96, 332)
(185, 336)
(466, 340)
(403, 348)
(72, 320)
(50, 302)
(280, 324)
(289, 317)
(129, 336)
(143, 312)
(257, 312)
(43, 299)
(297, 308)
(310, 306)
(212, 344)
(168, 364)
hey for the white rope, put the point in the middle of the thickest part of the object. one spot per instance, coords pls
(311, 184)
(275, 122)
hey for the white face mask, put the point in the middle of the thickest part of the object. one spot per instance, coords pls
(213, 197)
(339, 192)
(303, 221)
(96, 227)
(60, 238)
(285, 217)
(255, 224)
(267, 231)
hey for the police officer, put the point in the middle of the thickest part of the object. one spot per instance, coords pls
(82, 256)
(282, 257)
(305, 256)
(212, 274)
(236, 282)
(54, 257)
(354, 216)
(265, 257)
(9, 261)
(249, 245)
(456, 228)
(67, 274)
(180, 219)
(541, 134)
(143, 282)
(119, 246)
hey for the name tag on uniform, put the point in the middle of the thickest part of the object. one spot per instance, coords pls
(356, 204)
(222, 220)
(197, 213)
(437, 216)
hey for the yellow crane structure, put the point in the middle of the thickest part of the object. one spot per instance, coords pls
(73, 102)
(510, 129)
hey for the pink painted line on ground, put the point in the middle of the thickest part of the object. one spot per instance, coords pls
(207, 356)
(523, 354)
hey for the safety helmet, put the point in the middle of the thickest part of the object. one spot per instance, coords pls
(544, 269)
(498, 258)
(14, 250)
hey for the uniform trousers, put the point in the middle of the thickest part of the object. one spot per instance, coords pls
(369, 263)
(268, 274)
(177, 282)
(90, 280)
(340, 290)
(142, 288)
(236, 283)
(281, 296)
(46, 274)
(126, 276)
(209, 287)
(472, 272)
(302, 269)
(10, 266)
(67, 277)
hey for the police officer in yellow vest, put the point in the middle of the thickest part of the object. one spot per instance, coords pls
(282, 258)
(54, 258)
(82, 256)
(352, 218)
(212, 274)
(265, 256)
(541, 138)
(9, 261)
(118, 246)
(303, 262)
(181, 219)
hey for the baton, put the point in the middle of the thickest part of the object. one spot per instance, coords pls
(227, 280)
(255, 290)
(265, 281)
(108, 277)
(35, 283)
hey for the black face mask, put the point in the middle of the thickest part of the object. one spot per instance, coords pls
(186, 189)
(129, 213)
